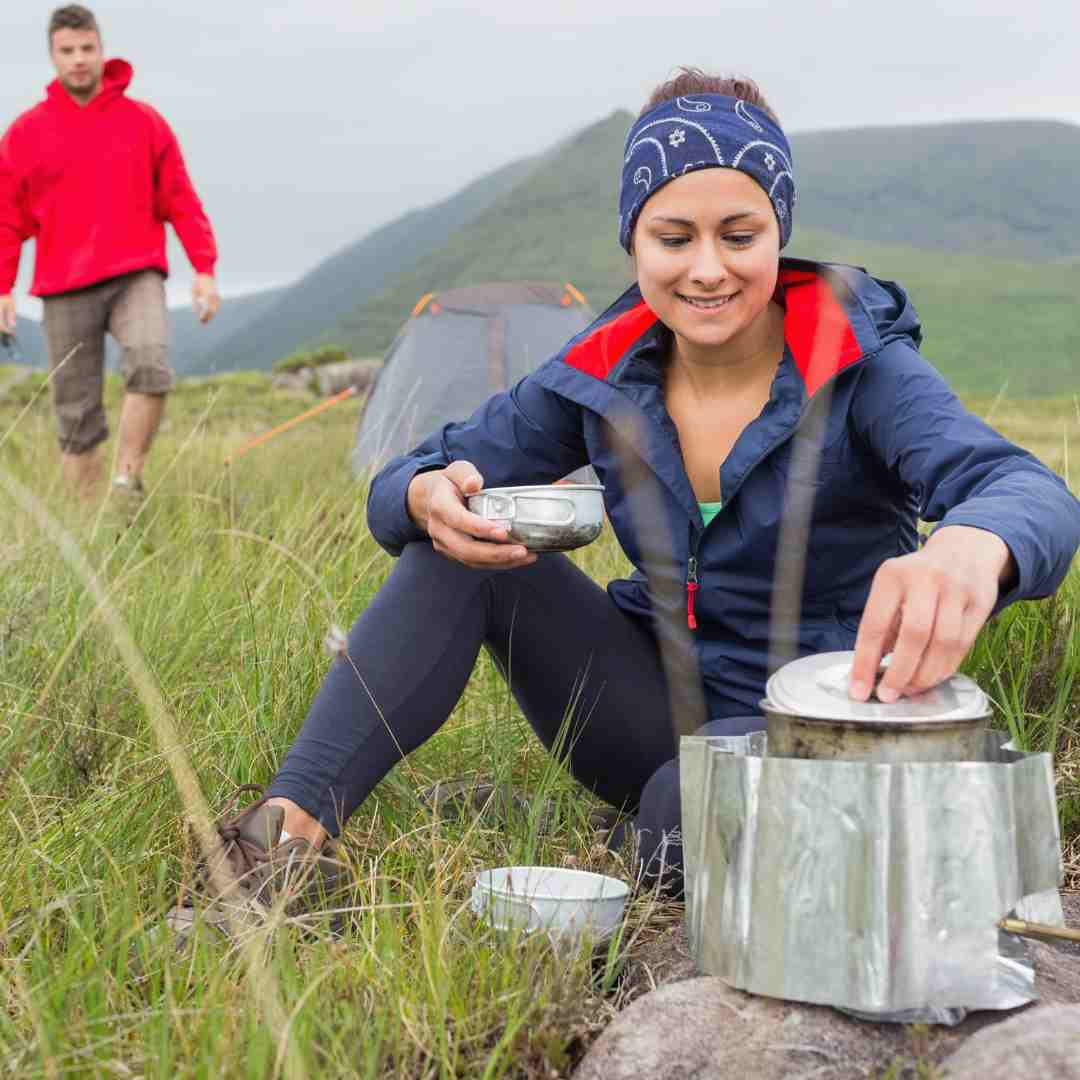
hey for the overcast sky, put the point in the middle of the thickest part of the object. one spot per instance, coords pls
(307, 123)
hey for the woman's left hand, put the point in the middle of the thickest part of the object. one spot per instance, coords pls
(927, 608)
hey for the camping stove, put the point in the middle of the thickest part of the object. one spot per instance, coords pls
(861, 855)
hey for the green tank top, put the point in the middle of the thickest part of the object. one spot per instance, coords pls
(709, 510)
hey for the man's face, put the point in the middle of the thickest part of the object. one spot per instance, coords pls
(79, 61)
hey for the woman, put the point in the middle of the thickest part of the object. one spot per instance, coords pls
(691, 396)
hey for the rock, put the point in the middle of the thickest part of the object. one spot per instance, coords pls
(294, 381)
(1057, 973)
(1044, 1042)
(702, 1028)
(698, 1026)
(333, 378)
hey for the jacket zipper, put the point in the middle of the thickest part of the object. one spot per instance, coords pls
(693, 548)
(691, 589)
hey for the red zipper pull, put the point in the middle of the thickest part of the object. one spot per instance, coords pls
(691, 588)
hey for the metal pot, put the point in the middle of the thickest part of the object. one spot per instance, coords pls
(809, 715)
(545, 517)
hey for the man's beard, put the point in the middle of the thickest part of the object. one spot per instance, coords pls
(84, 90)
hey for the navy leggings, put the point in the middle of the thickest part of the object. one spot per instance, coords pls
(561, 639)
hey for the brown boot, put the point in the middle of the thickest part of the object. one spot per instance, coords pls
(260, 870)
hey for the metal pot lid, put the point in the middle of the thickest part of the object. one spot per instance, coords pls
(816, 687)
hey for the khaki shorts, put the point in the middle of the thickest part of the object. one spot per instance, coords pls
(132, 309)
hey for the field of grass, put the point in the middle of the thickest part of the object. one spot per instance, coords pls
(192, 637)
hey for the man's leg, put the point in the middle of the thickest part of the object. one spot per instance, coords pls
(75, 333)
(83, 473)
(569, 651)
(140, 418)
(139, 321)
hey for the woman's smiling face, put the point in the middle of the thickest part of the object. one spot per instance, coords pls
(707, 251)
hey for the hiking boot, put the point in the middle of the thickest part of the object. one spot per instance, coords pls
(129, 488)
(265, 870)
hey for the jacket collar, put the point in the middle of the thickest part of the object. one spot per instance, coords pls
(826, 330)
(615, 368)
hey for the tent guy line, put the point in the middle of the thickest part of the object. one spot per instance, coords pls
(348, 392)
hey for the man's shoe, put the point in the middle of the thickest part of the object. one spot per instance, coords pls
(129, 487)
(260, 871)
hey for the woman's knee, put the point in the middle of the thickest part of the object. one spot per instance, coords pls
(658, 825)
(732, 726)
(420, 557)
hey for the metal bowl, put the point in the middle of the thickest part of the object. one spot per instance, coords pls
(568, 904)
(545, 517)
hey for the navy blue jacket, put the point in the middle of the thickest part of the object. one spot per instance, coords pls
(898, 446)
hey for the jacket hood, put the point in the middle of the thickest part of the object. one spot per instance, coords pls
(838, 315)
(888, 311)
(115, 79)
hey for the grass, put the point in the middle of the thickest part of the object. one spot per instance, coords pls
(228, 581)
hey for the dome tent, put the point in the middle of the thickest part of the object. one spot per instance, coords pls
(457, 349)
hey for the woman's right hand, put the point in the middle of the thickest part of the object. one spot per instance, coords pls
(436, 501)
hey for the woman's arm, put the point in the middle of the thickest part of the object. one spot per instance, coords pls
(526, 435)
(1009, 527)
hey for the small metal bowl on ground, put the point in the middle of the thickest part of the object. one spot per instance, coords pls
(809, 714)
(545, 517)
(565, 903)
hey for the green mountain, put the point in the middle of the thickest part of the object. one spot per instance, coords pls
(989, 325)
(988, 322)
(197, 347)
(304, 312)
(558, 224)
(998, 188)
(972, 217)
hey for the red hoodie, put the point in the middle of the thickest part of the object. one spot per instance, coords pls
(94, 186)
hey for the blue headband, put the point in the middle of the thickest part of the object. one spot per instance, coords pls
(706, 132)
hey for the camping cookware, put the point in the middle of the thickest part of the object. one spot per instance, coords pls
(875, 887)
(545, 517)
(810, 715)
(565, 903)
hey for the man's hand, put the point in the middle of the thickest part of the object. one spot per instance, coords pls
(437, 503)
(7, 314)
(927, 608)
(205, 297)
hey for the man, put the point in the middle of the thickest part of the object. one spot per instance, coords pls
(93, 176)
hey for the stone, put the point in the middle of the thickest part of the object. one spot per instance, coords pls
(333, 378)
(680, 1025)
(701, 1028)
(1043, 1042)
(296, 382)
